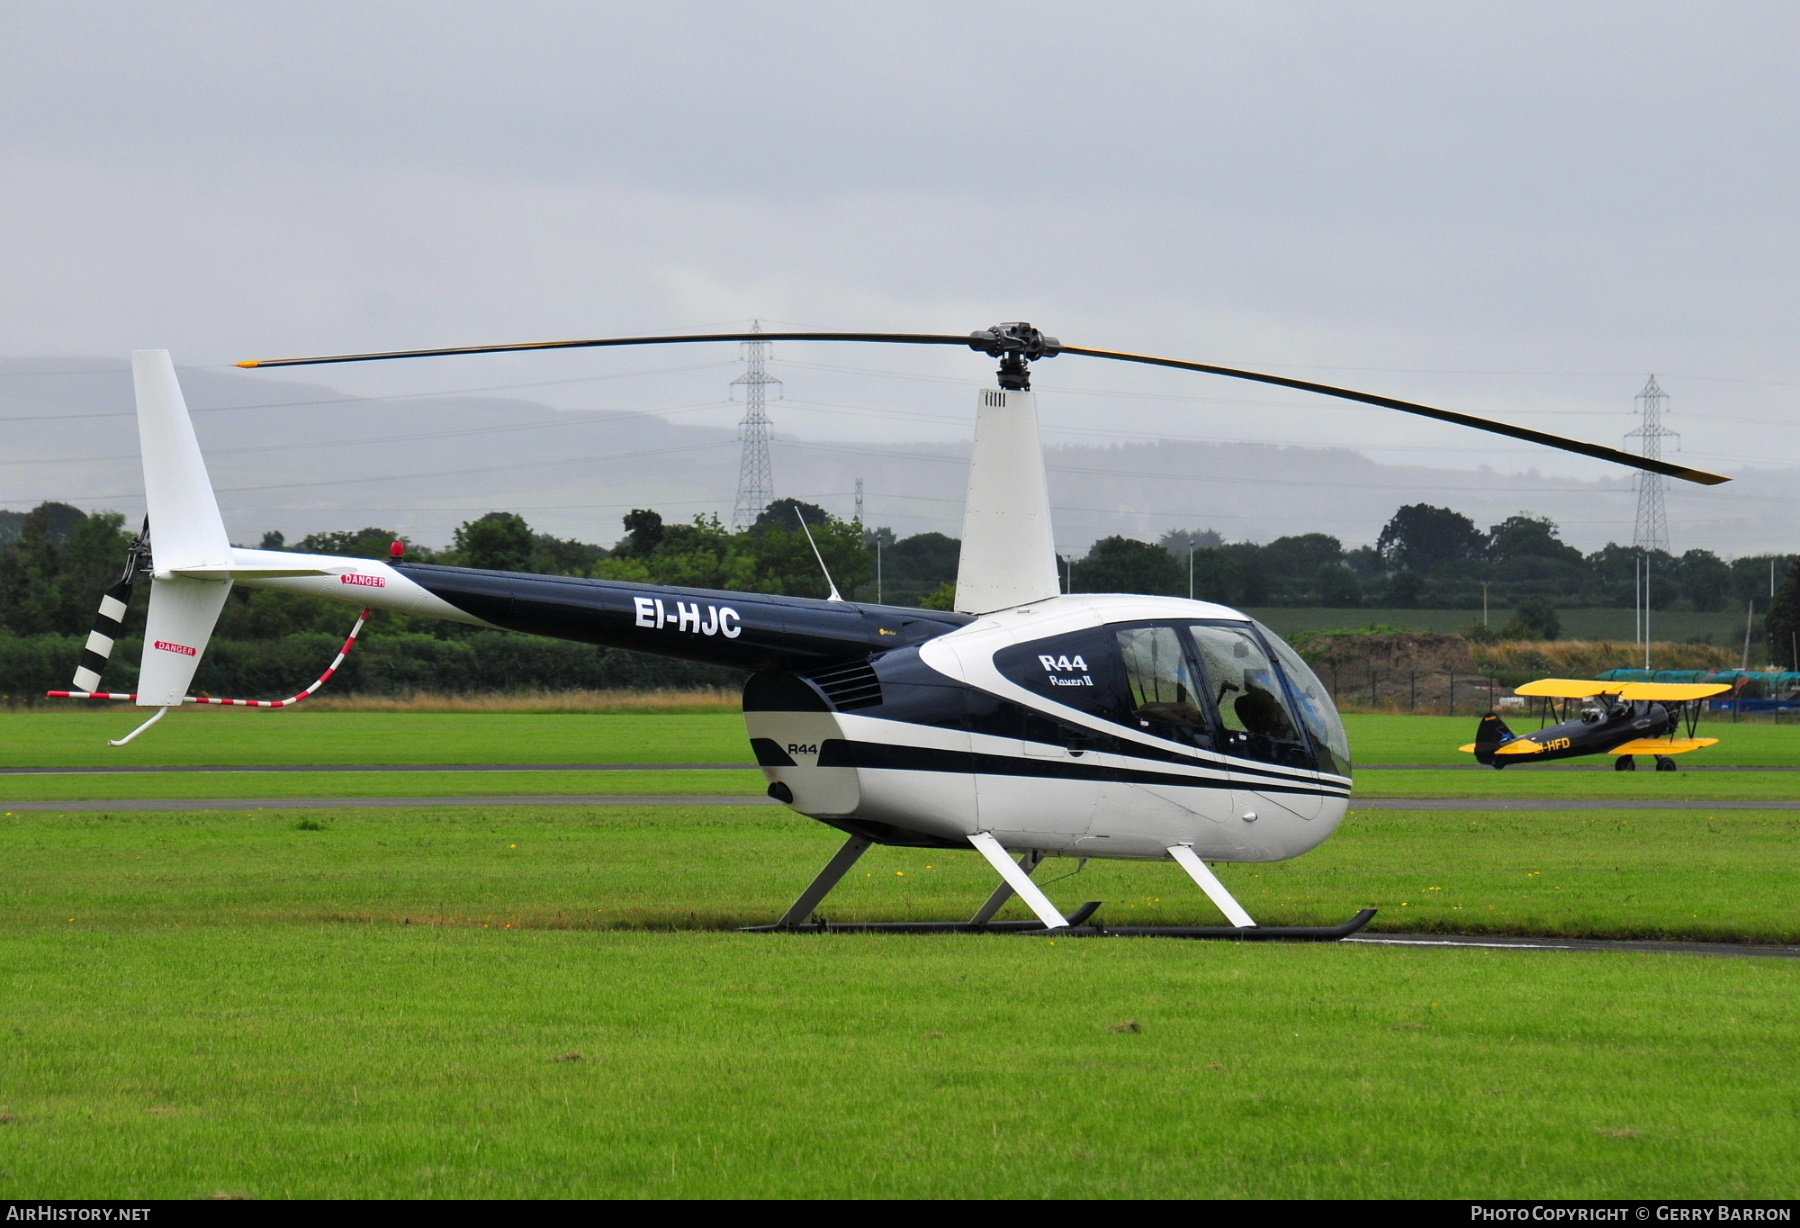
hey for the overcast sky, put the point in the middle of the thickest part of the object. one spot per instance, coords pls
(1518, 209)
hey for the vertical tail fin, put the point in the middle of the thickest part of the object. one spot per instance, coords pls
(1490, 736)
(190, 534)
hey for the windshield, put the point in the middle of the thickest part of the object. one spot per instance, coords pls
(1317, 712)
(1244, 684)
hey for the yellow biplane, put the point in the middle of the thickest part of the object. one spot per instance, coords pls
(1622, 719)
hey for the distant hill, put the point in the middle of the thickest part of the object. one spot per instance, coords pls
(299, 457)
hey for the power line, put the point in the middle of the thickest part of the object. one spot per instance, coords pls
(756, 479)
(1652, 532)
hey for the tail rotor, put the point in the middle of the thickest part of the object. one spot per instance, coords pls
(109, 623)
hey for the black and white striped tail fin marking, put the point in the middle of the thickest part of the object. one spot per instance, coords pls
(108, 625)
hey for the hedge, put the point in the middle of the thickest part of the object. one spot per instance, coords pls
(484, 662)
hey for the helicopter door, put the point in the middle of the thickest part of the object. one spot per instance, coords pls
(1036, 770)
(1255, 720)
(1163, 699)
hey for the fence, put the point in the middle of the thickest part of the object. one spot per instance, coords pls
(1444, 693)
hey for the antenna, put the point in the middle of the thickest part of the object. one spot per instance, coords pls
(756, 480)
(815, 545)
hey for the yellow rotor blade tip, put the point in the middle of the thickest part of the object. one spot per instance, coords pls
(251, 363)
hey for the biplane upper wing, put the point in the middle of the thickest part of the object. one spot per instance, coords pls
(1565, 688)
(1575, 688)
(1662, 746)
(1672, 692)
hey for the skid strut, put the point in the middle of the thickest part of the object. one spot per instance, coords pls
(800, 917)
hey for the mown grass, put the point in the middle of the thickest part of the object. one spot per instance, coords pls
(1726, 876)
(216, 737)
(279, 785)
(77, 739)
(537, 1001)
(1549, 785)
(413, 1061)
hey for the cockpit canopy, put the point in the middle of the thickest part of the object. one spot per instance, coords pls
(1222, 685)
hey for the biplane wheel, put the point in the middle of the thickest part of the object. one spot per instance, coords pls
(1499, 764)
(1664, 764)
(1624, 763)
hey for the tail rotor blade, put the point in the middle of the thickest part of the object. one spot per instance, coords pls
(108, 624)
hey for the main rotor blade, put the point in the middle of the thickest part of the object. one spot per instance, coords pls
(1614, 455)
(605, 342)
(1594, 450)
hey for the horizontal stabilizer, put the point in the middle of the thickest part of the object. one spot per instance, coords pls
(249, 573)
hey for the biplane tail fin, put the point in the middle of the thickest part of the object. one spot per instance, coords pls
(1490, 736)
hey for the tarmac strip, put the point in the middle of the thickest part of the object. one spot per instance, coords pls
(663, 799)
(387, 803)
(1646, 946)
(1559, 767)
(699, 767)
(1561, 803)
(386, 767)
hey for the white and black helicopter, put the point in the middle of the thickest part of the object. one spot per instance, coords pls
(1026, 723)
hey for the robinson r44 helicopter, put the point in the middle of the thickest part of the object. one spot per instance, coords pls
(1622, 719)
(1024, 723)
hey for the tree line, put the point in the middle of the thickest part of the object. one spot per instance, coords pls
(1425, 558)
(56, 560)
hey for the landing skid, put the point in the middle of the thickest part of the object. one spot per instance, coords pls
(1228, 933)
(1016, 879)
(929, 927)
(1077, 929)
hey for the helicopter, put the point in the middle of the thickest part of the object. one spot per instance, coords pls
(1024, 723)
(1622, 719)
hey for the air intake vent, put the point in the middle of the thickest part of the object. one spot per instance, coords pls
(849, 687)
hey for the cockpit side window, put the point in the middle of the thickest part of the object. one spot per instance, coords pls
(1165, 696)
(1256, 720)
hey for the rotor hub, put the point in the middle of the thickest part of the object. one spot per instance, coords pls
(1016, 344)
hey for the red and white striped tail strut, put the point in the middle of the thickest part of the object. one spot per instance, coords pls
(289, 702)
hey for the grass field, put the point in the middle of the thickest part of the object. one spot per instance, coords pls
(378, 1006)
(78, 739)
(547, 1001)
(223, 737)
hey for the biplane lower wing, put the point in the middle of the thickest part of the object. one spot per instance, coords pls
(1662, 746)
